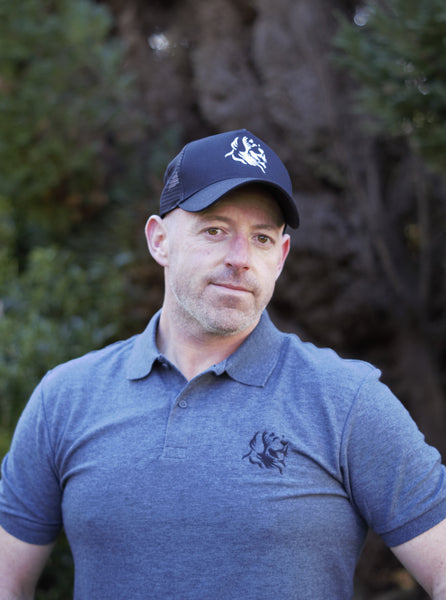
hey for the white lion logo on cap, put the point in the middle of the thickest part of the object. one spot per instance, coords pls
(248, 153)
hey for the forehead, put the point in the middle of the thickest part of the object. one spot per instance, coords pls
(253, 201)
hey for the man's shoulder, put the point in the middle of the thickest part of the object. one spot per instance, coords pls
(111, 358)
(328, 380)
(308, 358)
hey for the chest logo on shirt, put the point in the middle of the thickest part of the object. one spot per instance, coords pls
(268, 451)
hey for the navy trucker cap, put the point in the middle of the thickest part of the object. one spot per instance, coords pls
(207, 169)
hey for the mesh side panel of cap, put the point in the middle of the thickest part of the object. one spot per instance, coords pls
(171, 194)
(169, 201)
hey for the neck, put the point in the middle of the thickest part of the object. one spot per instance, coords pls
(192, 352)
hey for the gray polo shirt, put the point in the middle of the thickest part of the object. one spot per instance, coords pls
(258, 478)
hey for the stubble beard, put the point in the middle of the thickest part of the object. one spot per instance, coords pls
(225, 318)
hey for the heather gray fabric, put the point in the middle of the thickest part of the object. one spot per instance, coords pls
(257, 479)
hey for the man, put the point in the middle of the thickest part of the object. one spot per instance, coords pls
(213, 456)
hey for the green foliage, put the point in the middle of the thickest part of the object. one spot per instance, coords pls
(397, 53)
(62, 97)
(54, 310)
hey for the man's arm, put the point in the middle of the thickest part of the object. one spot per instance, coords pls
(20, 567)
(425, 558)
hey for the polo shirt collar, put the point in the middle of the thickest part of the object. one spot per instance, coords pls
(144, 352)
(252, 363)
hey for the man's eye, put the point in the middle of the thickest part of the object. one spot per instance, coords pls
(213, 231)
(263, 239)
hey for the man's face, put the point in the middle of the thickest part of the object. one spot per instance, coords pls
(222, 263)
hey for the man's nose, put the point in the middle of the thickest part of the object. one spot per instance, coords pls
(238, 254)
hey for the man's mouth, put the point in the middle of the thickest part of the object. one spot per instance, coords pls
(232, 286)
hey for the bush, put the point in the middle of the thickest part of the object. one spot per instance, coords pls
(396, 51)
(65, 101)
(53, 311)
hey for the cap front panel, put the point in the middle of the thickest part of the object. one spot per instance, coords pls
(234, 155)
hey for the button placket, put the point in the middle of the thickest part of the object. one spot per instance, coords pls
(182, 423)
(177, 433)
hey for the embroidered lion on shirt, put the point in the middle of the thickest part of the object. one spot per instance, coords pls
(248, 152)
(267, 451)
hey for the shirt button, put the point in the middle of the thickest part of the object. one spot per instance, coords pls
(182, 404)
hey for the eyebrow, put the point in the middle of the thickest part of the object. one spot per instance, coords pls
(217, 217)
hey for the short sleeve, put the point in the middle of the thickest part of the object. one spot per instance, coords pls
(30, 494)
(394, 478)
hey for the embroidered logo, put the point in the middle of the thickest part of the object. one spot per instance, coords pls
(248, 152)
(267, 451)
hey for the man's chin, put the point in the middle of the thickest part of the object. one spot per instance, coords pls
(233, 322)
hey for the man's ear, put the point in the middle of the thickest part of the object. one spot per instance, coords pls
(285, 249)
(156, 237)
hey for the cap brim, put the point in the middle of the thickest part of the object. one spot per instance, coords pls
(214, 192)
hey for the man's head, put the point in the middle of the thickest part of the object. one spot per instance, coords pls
(209, 168)
(220, 233)
(220, 263)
